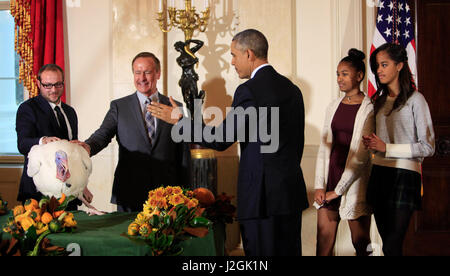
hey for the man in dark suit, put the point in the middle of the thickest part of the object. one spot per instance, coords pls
(271, 188)
(148, 158)
(45, 119)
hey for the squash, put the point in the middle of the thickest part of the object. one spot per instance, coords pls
(46, 218)
(145, 230)
(56, 214)
(36, 215)
(18, 210)
(31, 204)
(26, 223)
(42, 230)
(133, 229)
(68, 220)
(54, 226)
(204, 196)
(61, 200)
(43, 202)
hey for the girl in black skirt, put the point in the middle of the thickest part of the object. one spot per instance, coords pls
(404, 137)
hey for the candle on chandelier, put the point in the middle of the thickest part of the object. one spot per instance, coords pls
(160, 9)
(206, 4)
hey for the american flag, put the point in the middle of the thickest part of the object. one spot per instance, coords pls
(394, 25)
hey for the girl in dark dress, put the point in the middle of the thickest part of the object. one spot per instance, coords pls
(342, 151)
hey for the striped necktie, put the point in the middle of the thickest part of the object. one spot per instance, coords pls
(150, 122)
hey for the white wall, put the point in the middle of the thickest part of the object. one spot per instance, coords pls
(89, 62)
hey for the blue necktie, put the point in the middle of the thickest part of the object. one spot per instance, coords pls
(150, 122)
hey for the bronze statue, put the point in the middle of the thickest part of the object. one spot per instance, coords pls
(189, 77)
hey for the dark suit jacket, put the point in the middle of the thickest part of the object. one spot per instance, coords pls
(141, 167)
(36, 119)
(269, 183)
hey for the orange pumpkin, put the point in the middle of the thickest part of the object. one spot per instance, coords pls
(204, 196)
(18, 210)
(36, 215)
(46, 218)
(31, 204)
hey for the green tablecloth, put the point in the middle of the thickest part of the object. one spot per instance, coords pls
(103, 236)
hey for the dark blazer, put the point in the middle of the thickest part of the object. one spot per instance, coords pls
(34, 120)
(269, 184)
(141, 166)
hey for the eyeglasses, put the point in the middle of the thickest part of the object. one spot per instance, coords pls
(50, 85)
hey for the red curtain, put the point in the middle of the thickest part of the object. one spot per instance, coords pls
(39, 37)
(48, 34)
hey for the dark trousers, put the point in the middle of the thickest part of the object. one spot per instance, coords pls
(272, 236)
(392, 225)
(127, 209)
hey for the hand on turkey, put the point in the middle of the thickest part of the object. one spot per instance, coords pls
(83, 144)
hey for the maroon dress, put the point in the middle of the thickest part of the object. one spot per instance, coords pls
(342, 128)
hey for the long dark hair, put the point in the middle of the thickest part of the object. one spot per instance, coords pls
(407, 86)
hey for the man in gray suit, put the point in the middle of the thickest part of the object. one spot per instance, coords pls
(148, 157)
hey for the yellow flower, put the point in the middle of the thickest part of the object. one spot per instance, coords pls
(153, 203)
(159, 193)
(148, 209)
(169, 190)
(162, 203)
(141, 218)
(177, 190)
(192, 203)
(176, 199)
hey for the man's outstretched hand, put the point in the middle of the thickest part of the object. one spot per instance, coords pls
(83, 144)
(169, 114)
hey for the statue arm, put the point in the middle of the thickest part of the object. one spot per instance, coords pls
(199, 44)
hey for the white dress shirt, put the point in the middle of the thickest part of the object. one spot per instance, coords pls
(257, 69)
(69, 128)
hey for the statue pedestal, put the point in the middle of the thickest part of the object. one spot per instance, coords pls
(204, 169)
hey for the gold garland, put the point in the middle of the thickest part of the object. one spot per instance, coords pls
(21, 11)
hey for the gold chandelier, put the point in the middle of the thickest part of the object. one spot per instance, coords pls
(187, 19)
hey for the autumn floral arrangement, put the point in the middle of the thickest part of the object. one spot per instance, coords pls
(34, 220)
(221, 210)
(169, 216)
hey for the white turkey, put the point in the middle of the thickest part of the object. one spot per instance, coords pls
(61, 167)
